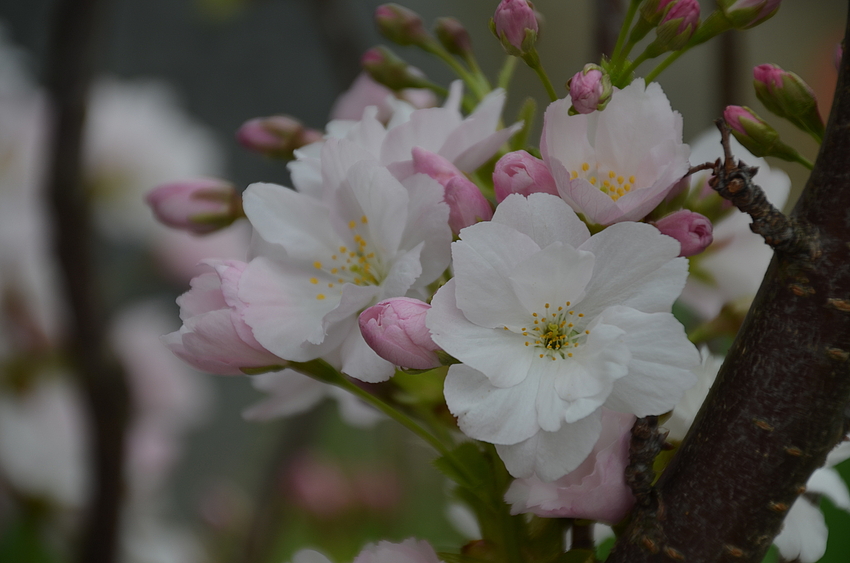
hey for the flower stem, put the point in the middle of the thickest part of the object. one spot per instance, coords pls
(624, 31)
(507, 72)
(627, 72)
(472, 81)
(671, 58)
(532, 59)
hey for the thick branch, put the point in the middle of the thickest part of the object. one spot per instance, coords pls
(69, 75)
(778, 406)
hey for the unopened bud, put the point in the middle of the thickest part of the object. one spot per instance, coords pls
(200, 205)
(651, 13)
(401, 25)
(692, 230)
(520, 173)
(393, 72)
(453, 36)
(678, 25)
(787, 95)
(467, 205)
(276, 136)
(757, 135)
(744, 14)
(395, 329)
(590, 89)
(515, 25)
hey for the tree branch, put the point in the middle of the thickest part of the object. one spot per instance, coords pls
(778, 406)
(70, 70)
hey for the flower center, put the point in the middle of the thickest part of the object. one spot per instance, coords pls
(555, 332)
(609, 182)
(357, 264)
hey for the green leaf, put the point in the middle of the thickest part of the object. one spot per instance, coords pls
(469, 456)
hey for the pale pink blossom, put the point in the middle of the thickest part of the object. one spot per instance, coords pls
(595, 490)
(520, 173)
(619, 164)
(319, 486)
(692, 230)
(395, 329)
(408, 551)
(214, 338)
(533, 387)
(466, 204)
(365, 92)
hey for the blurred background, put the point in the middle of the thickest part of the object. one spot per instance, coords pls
(175, 79)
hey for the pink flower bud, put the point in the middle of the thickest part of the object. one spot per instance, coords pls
(787, 95)
(595, 490)
(687, 13)
(467, 205)
(590, 89)
(388, 69)
(520, 173)
(395, 329)
(200, 206)
(736, 115)
(453, 36)
(744, 14)
(401, 25)
(512, 20)
(692, 230)
(276, 136)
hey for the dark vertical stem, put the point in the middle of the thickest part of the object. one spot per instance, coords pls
(609, 18)
(780, 401)
(344, 47)
(582, 536)
(729, 71)
(69, 73)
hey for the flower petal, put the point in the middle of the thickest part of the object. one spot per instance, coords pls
(543, 217)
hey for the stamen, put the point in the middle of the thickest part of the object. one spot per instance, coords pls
(320, 296)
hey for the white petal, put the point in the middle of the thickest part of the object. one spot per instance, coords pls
(551, 455)
(428, 221)
(406, 269)
(501, 354)
(295, 221)
(804, 533)
(309, 556)
(479, 153)
(660, 370)
(338, 156)
(557, 274)
(636, 266)
(543, 217)
(360, 361)
(488, 413)
(478, 126)
(428, 128)
(483, 259)
(828, 482)
(291, 393)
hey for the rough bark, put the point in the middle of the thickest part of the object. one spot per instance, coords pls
(780, 401)
(71, 66)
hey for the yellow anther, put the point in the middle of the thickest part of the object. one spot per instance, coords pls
(546, 305)
(330, 285)
(351, 225)
(575, 345)
(619, 179)
(553, 358)
(587, 332)
(364, 219)
(314, 280)
(574, 175)
(569, 354)
(593, 181)
(581, 314)
(631, 179)
(621, 192)
(570, 325)
(568, 303)
(585, 166)
(627, 187)
(506, 328)
(370, 255)
(611, 174)
(334, 270)
(340, 280)
(560, 308)
(533, 314)
(320, 296)
(526, 343)
(606, 183)
(317, 265)
(343, 249)
(572, 312)
(541, 355)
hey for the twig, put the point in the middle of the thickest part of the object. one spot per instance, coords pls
(70, 69)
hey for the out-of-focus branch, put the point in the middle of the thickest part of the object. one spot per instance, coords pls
(609, 18)
(70, 70)
(779, 404)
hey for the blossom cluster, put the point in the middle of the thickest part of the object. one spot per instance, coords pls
(536, 284)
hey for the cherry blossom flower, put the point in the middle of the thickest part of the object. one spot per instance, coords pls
(551, 324)
(618, 164)
(594, 490)
(734, 264)
(318, 264)
(364, 92)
